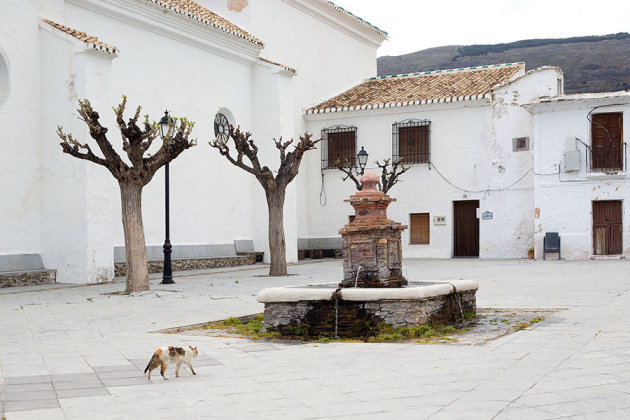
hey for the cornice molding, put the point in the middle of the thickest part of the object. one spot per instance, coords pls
(335, 19)
(147, 16)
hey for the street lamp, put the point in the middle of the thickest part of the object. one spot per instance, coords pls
(167, 275)
(362, 157)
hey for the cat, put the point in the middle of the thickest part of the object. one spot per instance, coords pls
(164, 356)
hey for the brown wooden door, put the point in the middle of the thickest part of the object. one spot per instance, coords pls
(607, 228)
(466, 228)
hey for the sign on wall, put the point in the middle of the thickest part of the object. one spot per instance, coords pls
(487, 215)
(439, 220)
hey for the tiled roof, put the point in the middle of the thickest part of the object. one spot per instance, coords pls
(287, 68)
(82, 36)
(420, 88)
(355, 17)
(199, 13)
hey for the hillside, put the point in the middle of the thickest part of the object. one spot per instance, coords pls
(590, 64)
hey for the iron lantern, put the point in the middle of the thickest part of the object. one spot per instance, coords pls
(362, 158)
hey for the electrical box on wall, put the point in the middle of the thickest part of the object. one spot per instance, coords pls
(571, 160)
(439, 220)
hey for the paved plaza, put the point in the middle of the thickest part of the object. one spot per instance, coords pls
(77, 352)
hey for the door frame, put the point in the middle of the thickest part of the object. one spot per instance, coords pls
(453, 254)
(594, 232)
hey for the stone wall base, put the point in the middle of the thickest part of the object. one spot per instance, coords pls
(359, 319)
(27, 278)
(317, 254)
(120, 269)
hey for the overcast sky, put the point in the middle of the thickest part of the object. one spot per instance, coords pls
(418, 24)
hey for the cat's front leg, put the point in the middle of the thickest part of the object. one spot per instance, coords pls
(191, 368)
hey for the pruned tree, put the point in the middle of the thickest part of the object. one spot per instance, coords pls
(390, 172)
(131, 178)
(274, 186)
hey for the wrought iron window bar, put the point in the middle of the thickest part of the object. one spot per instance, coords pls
(411, 141)
(346, 154)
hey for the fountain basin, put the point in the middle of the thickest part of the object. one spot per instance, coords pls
(323, 310)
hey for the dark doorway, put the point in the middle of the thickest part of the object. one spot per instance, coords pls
(466, 228)
(607, 228)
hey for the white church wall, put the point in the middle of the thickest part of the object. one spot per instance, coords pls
(20, 203)
(158, 72)
(330, 52)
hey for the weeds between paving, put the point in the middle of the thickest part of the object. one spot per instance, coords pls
(476, 329)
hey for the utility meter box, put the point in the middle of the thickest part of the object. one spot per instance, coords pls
(571, 160)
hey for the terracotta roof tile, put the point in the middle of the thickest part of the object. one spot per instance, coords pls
(199, 13)
(82, 36)
(416, 88)
(266, 60)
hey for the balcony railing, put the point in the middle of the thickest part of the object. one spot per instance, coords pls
(606, 158)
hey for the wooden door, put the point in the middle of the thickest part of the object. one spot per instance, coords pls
(607, 141)
(607, 228)
(466, 228)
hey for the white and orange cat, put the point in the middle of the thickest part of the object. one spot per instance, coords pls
(164, 356)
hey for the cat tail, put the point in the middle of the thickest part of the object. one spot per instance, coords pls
(153, 359)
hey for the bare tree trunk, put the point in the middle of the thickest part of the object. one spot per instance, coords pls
(135, 246)
(277, 245)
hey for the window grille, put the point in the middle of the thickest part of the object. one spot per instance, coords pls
(339, 144)
(410, 141)
(419, 231)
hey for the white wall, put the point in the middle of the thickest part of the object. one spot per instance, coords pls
(471, 146)
(564, 201)
(196, 84)
(76, 213)
(330, 52)
(19, 119)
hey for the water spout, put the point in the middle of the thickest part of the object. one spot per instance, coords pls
(336, 297)
(459, 301)
(356, 279)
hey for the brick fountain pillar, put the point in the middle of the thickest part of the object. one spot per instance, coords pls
(371, 244)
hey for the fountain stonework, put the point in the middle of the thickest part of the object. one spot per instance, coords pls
(371, 247)
(373, 289)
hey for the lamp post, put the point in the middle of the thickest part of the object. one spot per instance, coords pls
(362, 158)
(167, 275)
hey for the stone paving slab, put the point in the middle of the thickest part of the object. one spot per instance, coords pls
(575, 363)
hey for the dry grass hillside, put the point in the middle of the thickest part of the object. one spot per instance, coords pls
(590, 64)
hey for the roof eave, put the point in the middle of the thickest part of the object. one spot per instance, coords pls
(345, 22)
(485, 97)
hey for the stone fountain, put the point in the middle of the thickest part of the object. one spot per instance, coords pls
(373, 288)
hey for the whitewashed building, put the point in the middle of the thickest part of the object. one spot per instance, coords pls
(581, 188)
(470, 190)
(63, 214)
(482, 182)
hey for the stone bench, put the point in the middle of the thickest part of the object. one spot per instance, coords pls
(24, 270)
(318, 248)
(194, 257)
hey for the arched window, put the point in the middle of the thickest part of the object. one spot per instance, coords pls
(222, 121)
